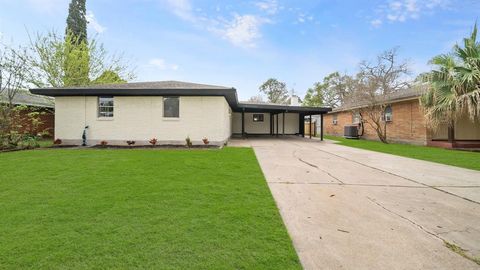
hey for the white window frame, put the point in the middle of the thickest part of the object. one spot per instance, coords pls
(356, 117)
(387, 117)
(335, 119)
(105, 114)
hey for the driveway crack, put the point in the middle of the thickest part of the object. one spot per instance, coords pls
(436, 235)
(405, 218)
(401, 176)
(316, 167)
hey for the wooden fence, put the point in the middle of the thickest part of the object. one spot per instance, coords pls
(311, 128)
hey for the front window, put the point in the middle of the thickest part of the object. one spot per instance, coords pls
(171, 107)
(387, 115)
(356, 118)
(334, 119)
(258, 117)
(105, 107)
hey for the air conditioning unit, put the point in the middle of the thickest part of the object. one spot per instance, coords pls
(350, 132)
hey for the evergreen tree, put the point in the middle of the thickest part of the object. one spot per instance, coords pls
(77, 61)
(77, 21)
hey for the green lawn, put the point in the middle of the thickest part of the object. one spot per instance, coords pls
(44, 143)
(464, 159)
(148, 209)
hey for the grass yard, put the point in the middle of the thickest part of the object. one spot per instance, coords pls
(464, 159)
(148, 209)
(44, 143)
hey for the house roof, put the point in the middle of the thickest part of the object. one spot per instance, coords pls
(23, 97)
(174, 88)
(146, 85)
(407, 94)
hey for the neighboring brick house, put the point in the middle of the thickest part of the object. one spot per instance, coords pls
(405, 124)
(37, 103)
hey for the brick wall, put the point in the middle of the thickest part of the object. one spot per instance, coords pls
(47, 117)
(407, 126)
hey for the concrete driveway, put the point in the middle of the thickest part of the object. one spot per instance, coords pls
(347, 208)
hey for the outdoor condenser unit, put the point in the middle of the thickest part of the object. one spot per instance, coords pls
(350, 132)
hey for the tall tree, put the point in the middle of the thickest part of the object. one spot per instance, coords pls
(76, 65)
(331, 92)
(49, 56)
(13, 74)
(14, 71)
(453, 85)
(256, 99)
(315, 95)
(275, 91)
(374, 84)
(77, 21)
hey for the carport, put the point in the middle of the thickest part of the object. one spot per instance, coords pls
(274, 119)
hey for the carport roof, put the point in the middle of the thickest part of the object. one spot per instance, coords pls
(175, 88)
(278, 108)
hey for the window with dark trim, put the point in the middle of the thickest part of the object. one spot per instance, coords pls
(171, 107)
(105, 106)
(387, 114)
(258, 117)
(356, 117)
(334, 119)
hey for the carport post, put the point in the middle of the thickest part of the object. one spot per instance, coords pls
(310, 127)
(301, 124)
(283, 124)
(277, 124)
(271, 120)
(243, 123)
(321, 127)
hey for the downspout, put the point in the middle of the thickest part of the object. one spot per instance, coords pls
(84, 135)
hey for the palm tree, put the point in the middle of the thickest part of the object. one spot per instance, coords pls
(454, 85)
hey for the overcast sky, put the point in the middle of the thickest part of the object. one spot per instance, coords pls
(243, 43)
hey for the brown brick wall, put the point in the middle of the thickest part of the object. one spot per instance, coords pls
(407, 126)
(47, 117)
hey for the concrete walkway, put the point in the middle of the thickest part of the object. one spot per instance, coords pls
(347, 208)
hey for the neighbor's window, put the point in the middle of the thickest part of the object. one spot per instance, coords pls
(387, 115)
(258, 117)
(356, 118)
(334, 119)
(105, 106)
(171, 107)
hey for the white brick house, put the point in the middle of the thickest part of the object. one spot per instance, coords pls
(169, 111)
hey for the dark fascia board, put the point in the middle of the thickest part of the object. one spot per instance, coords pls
(282, 108)
(230, 95)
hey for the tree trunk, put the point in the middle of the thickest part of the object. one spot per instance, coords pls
(381, 136)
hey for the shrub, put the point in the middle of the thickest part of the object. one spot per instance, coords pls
(153, 141)
(188, 142)
(103, 143)
(130, 143)
(57, 142)
(29, 142)
(205, 141)
(19, 126)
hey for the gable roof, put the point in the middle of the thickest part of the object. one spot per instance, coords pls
(407, 94)
(23, 97)
(174, 88)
